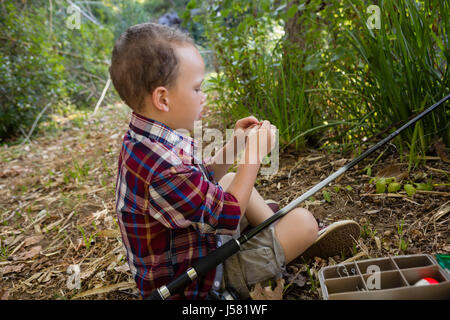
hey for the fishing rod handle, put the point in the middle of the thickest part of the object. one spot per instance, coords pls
(200, 268)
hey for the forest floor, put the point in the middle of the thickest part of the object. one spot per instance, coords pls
(58, 224)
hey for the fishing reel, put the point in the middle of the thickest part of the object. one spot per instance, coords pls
(227, 294)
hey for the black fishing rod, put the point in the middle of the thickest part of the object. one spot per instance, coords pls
(204, 265)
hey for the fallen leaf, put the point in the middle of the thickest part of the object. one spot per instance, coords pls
(442, 152)
(123, 268)
(108, 233)
(30, 254)
(12, 268)
(339, 162)
(4, 294)
(259, 293)
(297, 279)
(106, 289)
(10, 172)
(378, 242)
(392, 171)
(32, 240)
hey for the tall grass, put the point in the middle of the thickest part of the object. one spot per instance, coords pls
(260, 75)
(406, 67)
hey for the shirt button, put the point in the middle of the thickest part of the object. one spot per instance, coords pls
(219, 243)
(217, 284)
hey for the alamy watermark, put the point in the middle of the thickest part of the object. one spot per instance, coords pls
(74, 20)
(374, 20)
(74, 279)
(372, 282)
(237, 141)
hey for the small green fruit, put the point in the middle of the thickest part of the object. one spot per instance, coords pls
(410, 190)
(381, 185)
(394, 187)
(389, 180)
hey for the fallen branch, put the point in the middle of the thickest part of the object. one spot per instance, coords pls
(35, 122)
(110, 288)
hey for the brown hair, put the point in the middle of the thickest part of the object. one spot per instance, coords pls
(143, 59)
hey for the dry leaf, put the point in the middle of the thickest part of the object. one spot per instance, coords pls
(339, 162)
(297, 279)
(106, 289)
(32, 240)
(123, 268)
(10, 172)
(30, 254)
(258, 293)
(108, 233)
(442, 152)
(378, 242)
(4, 294)
(392, 171)
(12, 268)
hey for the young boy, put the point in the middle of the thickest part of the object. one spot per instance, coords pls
(174, 208)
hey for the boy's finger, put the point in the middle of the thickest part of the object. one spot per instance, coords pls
(265, 124)
(245, 122)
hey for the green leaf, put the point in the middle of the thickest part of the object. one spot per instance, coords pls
(191, 5)
(424, 186)
(292, 11)
(410, 190)
(326, 196)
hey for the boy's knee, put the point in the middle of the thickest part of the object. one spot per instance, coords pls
(226, 179)
(307, 221)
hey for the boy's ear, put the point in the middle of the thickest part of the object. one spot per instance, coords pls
(160, 99)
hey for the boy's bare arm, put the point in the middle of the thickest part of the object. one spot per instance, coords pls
(219, 164)
(242, 185)
(227, 155)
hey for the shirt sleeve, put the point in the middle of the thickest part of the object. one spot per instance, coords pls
(181, 197)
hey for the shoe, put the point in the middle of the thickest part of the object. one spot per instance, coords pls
(332, 240)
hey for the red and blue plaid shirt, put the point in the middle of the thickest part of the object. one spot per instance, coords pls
(169, 207)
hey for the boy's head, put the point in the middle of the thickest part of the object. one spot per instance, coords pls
(158, 71)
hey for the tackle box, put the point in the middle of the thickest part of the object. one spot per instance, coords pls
(385, 278)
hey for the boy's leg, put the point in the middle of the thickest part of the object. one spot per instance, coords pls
(257, 210)
(296, 231)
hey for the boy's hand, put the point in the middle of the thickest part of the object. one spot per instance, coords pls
(246, 123)
(241, 130)
(261, 141)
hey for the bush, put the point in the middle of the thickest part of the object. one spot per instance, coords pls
(43, 62)
(399, 70)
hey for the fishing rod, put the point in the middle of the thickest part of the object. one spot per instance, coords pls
(203, 266)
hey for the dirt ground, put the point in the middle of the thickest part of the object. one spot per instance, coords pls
(57, 219)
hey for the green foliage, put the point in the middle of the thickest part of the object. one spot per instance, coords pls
(403, 67)
(42, 62)
(257, 75)
(340, 75)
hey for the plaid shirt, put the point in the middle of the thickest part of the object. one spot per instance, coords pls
(169, 207)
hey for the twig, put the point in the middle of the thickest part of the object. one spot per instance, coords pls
(35, 122)
(106, 289)
(103, 95)
(356, 257)
(437, 170)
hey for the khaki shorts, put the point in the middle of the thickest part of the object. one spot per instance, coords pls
(260, 259)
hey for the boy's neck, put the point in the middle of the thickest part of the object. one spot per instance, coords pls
(151, 115)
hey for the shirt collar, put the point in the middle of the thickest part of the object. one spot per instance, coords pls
(156, 130)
